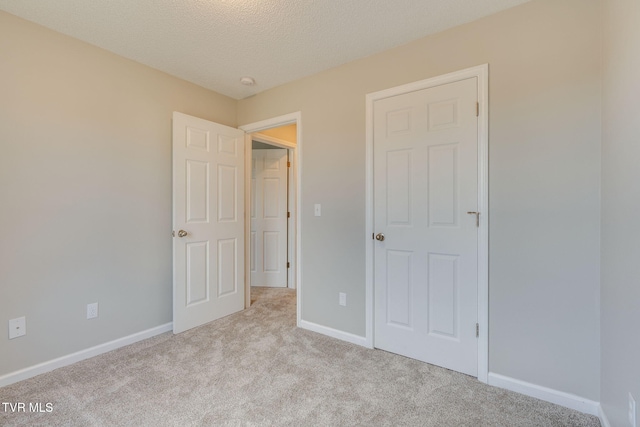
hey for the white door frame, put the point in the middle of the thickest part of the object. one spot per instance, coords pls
(481, 72)
(295, 197)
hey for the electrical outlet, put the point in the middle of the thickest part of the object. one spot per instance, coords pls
(17, 327)
(342, 299)
(632, 411)
(92, 310)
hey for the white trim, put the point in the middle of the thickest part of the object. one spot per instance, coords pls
(333, 333)
(296, 261)
(483, 232)
(248, 144)
(292, 231)
(272, 140)
(603, 417)
(368, 222)
(286, 119)
(480, 72)
(72, 358)
(561, 398)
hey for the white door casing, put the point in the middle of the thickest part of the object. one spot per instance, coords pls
(208, 212)
(426, 168)
(295, 198)
(269, 217)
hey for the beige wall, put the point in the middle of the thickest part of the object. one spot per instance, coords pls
(85, 190)
(620, 208)
(544, 59)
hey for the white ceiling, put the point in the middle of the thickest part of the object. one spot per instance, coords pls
(213, 43)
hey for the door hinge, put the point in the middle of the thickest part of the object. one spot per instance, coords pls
(288, 164)
(477, 214)
(477, 109)
(288, 214)
(288, 264)
(477, 330)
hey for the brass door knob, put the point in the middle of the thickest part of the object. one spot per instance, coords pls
(182, 233)
(380, 237)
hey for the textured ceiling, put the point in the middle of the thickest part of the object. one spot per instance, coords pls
(215, 42)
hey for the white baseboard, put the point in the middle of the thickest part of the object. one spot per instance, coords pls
(561, 398)
(603, 417)
(333, 333)
(69, 359)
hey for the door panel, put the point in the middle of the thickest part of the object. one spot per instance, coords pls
(269, 218)
(208, 204)
(443, 185)
(228, 270)
(425, 180)
(197, 272)
(443, 292)
(399, 298)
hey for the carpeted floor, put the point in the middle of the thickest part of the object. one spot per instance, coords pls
(255, 368)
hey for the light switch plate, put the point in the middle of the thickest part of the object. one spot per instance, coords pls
(17, 327)
(342, 299)
(317, 209)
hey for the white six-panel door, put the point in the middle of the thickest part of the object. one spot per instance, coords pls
(426, 267)
(269, 217)
(208, 221)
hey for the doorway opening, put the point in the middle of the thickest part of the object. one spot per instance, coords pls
(272, 246)
(269, 258)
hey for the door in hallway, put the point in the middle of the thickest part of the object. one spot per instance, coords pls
(269, 217)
